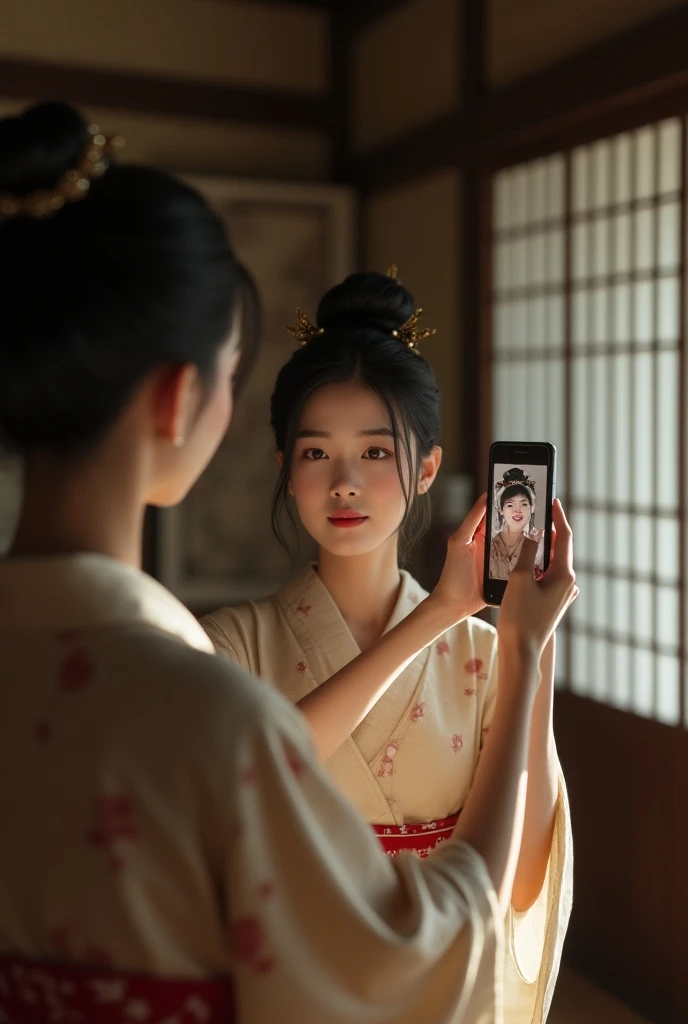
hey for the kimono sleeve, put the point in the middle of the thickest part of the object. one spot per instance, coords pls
(324, 927)
(535, 937)
(221, 641)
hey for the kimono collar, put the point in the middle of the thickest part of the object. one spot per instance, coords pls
(318, 621)
(89, 591)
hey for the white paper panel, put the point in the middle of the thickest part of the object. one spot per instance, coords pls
(519, 265)
(643, 683)
(668, 549)
(670, 155)
(580, 609)
(501, 403)
(598, 410)
(622, 168)
(667, 449)
(621, 243)
(644, 162)
(621, 542)
(644, 239)
(622, 425)
(538, 262)
(600, 684)
(643, 612)
(555, 256)
(621, 313)
(643, 312)
(600, 246)
(555, 321)
(643, 433)
(668, 689)
(669, 227)
(581, 414)
(668, 616)
(620, 600)
(582, 547)
(580, 252)
(600, 614)
(599, 316)
(579, 317)
(643, 544)
(537, 418)
(599, 542)
(668, 311)
(620, 676)
(556, 414)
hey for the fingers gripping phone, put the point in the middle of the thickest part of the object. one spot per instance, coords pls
(520, 492)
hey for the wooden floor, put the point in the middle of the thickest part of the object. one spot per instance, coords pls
(576, 1001)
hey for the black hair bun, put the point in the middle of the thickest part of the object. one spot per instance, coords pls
(515, 476)
(39, 146)
(365, 301)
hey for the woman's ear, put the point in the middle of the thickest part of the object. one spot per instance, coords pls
(429, 468)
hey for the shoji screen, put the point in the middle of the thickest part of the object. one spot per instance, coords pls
(608, 290)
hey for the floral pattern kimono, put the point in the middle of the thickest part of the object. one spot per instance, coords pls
(164, 819)
(410, 763)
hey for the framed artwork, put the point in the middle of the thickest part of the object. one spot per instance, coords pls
(10, 496)
(217, 547)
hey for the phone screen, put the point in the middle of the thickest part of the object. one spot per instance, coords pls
(521, 490)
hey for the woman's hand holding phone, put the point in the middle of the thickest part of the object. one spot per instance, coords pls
(532, 609)
(460, 585)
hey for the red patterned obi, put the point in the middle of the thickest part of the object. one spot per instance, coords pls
(420, 837)
(33, 992)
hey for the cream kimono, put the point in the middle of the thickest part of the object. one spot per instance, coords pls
(162, 812)
(412, 759)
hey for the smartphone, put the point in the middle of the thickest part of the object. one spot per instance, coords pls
(520, 491)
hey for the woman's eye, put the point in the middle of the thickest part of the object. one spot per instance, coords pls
(376, 454)
(315, 454)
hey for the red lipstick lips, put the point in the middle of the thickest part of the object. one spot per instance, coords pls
(345, 518)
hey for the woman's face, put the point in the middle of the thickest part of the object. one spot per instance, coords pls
(344, 475)
(517, 512)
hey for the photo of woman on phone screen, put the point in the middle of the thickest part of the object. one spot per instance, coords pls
(514, 518)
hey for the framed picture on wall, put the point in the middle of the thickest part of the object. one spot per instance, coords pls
(217, 547)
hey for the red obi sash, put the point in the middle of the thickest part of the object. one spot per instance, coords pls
(421, 837)
(34, 992)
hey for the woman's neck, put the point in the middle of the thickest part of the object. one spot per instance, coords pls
(364, 588)
(92, 505)
(513, 535)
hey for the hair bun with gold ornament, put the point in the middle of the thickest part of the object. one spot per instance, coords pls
(49, 157)
(367, 302)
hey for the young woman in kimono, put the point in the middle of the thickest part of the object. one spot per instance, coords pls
(356, 419)
(515, 506)
(170, 848)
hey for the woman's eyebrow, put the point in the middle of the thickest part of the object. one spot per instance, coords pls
(376, 432)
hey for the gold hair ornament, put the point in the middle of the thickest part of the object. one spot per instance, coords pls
(409, 333)
(304, 330)
(72, 186)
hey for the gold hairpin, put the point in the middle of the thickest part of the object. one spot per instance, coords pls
(72, 186)
(304, 330)
(392, 271)
(409, 333)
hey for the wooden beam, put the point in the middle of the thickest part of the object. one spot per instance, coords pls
(628, 68)
(642, 72)
(146, 94)
(474, 251)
